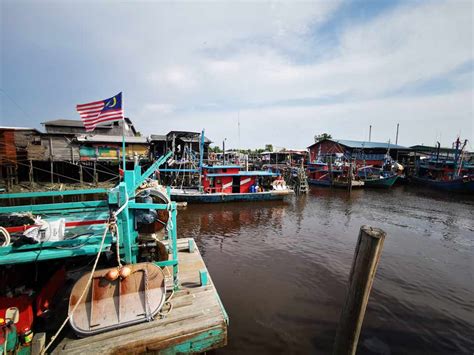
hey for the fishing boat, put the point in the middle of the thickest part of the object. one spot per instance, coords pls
(212, 183)
(449, 173)
(111, 267)
(377, 177)
(228, 183)
(318, 174)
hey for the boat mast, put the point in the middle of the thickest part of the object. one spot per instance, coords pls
(201, 157)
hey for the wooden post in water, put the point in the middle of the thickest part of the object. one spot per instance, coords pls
(364, 265)
(330, 171)
(349, 182)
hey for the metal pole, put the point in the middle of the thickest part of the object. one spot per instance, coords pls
(396, 138)
(201, 157)
(370, 133)
(223, 149)
(123, 137)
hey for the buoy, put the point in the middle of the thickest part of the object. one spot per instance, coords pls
(125, 271)
(112, 275)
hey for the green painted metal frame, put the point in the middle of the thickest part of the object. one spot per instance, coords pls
(121, 197)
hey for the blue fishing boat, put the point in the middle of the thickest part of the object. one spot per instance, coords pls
(120, 252)
(376, 177)
(450, 173)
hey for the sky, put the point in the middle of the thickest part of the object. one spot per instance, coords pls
(286, 71)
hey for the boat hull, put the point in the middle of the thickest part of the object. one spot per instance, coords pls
(344, 184)
(197, 197)
(318, 182)
(385, 182)
(457, 185)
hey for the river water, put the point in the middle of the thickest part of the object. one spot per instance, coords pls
(281, 269)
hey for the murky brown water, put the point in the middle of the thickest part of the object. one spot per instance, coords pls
(281, 269)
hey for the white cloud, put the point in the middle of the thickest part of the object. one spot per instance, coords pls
(194, 65)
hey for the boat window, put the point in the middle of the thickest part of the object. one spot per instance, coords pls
(224, 170)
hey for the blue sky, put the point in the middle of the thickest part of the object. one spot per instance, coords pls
(289, 70)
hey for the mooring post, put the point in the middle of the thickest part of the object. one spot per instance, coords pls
(364, 265)
(349, 183)
(330, 170)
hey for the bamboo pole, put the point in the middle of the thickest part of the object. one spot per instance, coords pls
(364, 265)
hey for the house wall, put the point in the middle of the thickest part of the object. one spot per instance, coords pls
(326, 147)
(111, 151)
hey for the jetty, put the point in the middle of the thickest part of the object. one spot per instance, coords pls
(197, 321)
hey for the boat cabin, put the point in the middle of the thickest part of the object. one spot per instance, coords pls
(231, 179)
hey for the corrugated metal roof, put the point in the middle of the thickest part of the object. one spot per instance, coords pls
(69, 123)
(19, 128)
(364, 144)
(158, 137)
(101, 138)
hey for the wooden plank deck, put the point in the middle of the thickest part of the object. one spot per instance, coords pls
(196, 323)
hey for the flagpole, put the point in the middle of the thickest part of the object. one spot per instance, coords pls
(123, 136)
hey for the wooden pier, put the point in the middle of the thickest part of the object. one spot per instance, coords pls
(197, 321)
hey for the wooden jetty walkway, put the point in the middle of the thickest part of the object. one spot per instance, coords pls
(197, 321)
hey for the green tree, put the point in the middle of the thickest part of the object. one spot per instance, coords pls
(269, 147)
(321, 137)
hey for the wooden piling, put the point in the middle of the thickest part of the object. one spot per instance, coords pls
(81, 177)
(364, 265)
(96, 180)
(349, 182)
(52, 171)
(330, 171)
(30, 173)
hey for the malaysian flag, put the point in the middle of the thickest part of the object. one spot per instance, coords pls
(95, 113)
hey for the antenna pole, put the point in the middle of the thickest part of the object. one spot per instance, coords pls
(370, 133)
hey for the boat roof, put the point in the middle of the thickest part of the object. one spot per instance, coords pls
(245, 173)
(222, 167)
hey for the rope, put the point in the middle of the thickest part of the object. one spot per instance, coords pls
(53, 338)
(6, 235)
(168, 301)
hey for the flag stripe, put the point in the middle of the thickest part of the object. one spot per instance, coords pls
(104, 115)
(95, 103)
(103, 120)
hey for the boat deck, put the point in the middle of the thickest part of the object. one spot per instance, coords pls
(196, 323)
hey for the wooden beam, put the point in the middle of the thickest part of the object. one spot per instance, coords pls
(364, 265)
